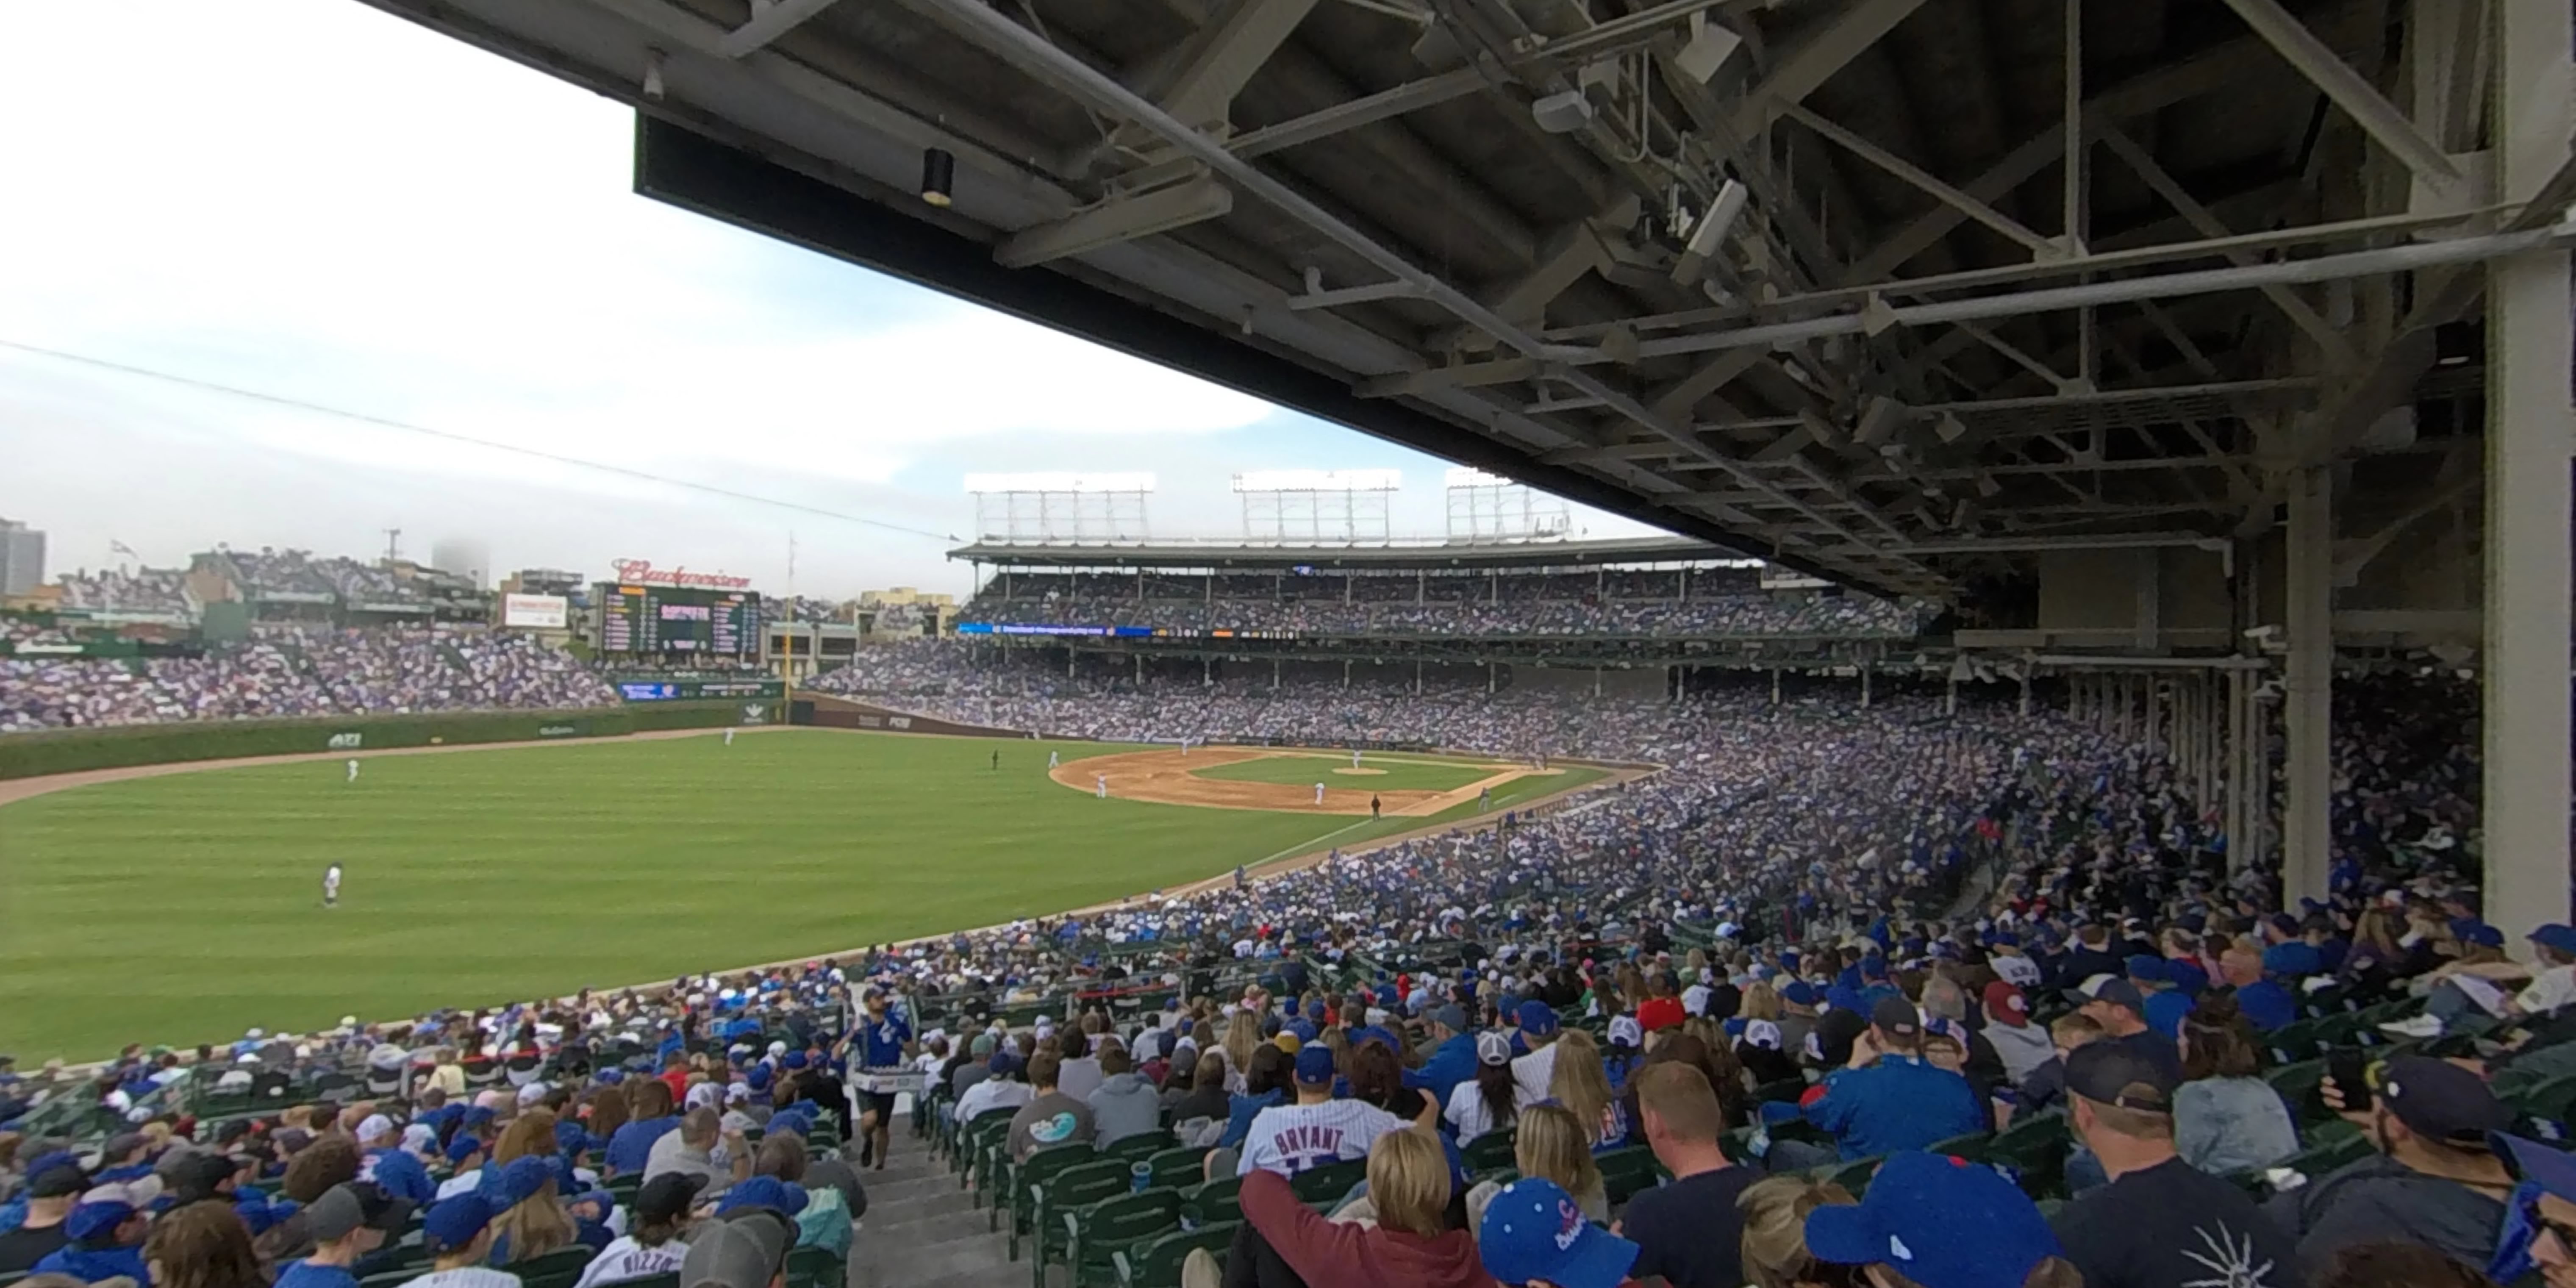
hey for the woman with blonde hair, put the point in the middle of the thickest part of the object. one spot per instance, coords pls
(1242, 1034)
(1581, 1084)
(1409, 1245)
(1775, 1235)
(202, 1245)
(1550, 1145)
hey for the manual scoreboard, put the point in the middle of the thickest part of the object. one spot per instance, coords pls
(653, 621)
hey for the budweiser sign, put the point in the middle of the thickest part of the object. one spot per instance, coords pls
(642, 572)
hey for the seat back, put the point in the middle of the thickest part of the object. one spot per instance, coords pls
(1329, 1182)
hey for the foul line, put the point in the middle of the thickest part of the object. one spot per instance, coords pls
(1308, 847)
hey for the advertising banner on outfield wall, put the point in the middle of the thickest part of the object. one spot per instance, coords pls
(536, 612)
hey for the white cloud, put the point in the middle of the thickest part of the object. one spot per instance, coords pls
(315, 200)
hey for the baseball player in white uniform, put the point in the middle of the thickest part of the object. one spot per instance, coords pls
(728, 737)
(1051, 760)
(1319, 793)
(331, 882)
(1100, 786)
(1317, 1129)
(1355, 757)
(353, 769)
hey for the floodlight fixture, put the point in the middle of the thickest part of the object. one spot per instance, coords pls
(938, 176)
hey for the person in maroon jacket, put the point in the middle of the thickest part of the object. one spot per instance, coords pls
(1284, 1244)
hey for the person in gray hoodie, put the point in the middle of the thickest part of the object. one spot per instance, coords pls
(2023, 1045)
(1125, 1104)
(2435, 1181)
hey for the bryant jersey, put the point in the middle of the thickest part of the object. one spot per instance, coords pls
(1289, 1139)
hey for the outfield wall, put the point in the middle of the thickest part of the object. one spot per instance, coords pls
(827, 712)
(31, 755)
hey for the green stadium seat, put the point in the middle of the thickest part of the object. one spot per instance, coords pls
(1325, 1185)
(1070, 1190)
(1971, 1147)
(1217, 1200)
(2294, 1043)
(1094, 1235)
(2033, 1151)
(1853, 1176)
(556, 1269)
(1019, 1181)
(1626, 1172)
(1178, 1168)
(1157, 1264)
(1140, 1147)
(1491, 1150)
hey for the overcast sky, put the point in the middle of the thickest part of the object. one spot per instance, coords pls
(311, 200)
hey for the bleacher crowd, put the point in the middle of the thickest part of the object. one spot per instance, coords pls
(1510, 605)
(285, 671)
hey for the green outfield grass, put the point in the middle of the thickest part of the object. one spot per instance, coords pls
(186, 908)
(1399, 774)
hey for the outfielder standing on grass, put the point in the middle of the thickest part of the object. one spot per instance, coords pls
(331, 882)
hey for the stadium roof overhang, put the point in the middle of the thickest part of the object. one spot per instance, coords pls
(1898, 292)
(1550, 554)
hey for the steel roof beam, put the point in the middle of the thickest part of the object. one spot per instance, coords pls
(1221, 58)
(770, 19)
(2359, 99)
(2040, 247)
(1815, 62)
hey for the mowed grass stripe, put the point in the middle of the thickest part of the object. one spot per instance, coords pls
(187, 907)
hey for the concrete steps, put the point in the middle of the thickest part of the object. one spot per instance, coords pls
(922, 1231)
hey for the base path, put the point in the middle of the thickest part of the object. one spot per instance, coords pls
(1168, 778)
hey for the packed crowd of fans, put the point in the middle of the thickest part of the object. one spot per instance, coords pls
(157, 592)
(1826, 946)
(284, 672)
(1511, 605)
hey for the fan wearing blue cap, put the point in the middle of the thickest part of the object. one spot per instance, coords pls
(1942, 1222)
(1888, 1097)
(457, 1235)
(104, 1240)
(1318, 1129)
(2540, 1229)
(1532, 1073)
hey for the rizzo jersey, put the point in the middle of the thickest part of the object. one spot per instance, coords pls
(1289, 1139)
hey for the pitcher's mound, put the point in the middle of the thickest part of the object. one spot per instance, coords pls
(1362, 772)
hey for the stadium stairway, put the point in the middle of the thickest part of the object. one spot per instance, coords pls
(922, 1231)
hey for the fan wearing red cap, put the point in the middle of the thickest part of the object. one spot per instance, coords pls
(2024, 1046)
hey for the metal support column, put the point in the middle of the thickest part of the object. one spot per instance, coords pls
(2528, 438)
(1950, 700)
(1207, 672)
(2309, 685)
(1864, 686)
(1493, 676)
(2025, 689)
(1417, 675)
(1140, 668)
(1596, 682)
(1274, 675)
(1346, 673)
(1775, 686)
(2241, 843)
